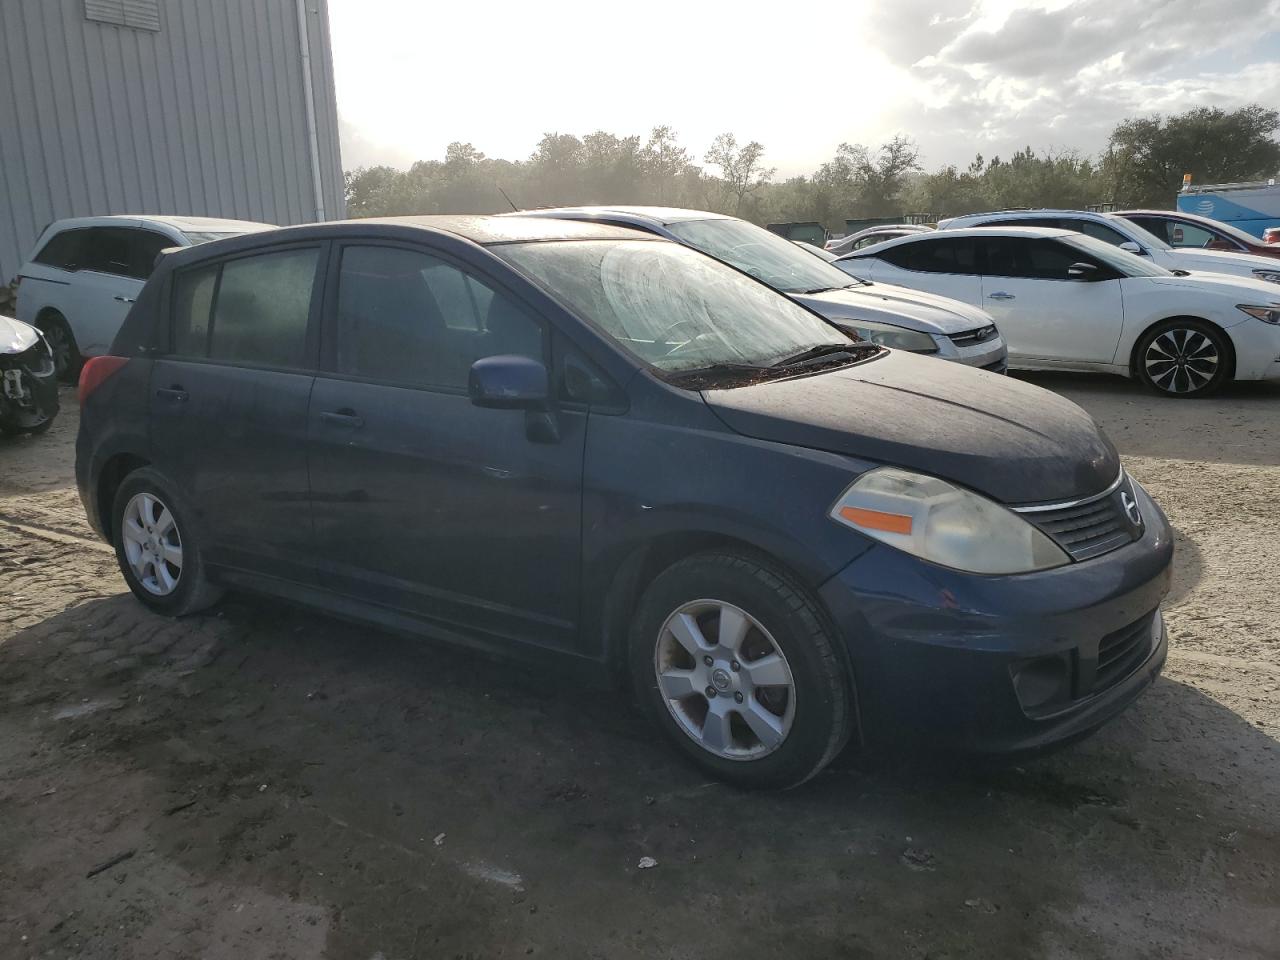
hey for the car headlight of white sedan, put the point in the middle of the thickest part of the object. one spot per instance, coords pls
(1265, 314)
(1271, 276)
(887, 335)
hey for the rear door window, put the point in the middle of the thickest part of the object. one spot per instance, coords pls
(405, 316)
(261, 309)
(252, 310)
(936, 255)
(107, 250)
(1099, 231)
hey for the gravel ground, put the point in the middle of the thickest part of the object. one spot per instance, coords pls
(262, 782)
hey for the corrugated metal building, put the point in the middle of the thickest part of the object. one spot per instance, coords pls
(199, 107)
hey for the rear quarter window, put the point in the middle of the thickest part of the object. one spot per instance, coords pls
(253, 310)
(192, 308)
(62, 251)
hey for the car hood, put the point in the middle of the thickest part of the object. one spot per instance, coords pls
(1220, 261)
(1233, 287)
(1012, 441)
(911, 309)
(16, 336)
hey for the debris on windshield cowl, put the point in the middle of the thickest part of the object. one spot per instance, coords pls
(724, 375)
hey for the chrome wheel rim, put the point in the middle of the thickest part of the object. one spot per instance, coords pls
(1182, 360)
(724, 680)
(152, 544)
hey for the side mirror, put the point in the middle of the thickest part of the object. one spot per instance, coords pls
(1132, 247)
(508, 381)
(1082, 271)
(1177, 237)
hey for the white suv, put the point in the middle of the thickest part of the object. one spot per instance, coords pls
(1126, 235)
(85, 273)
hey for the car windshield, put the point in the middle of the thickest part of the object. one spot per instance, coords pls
(766, 256)
(670, 306)
(1122, 261)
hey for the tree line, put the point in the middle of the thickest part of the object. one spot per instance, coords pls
(1142, 166)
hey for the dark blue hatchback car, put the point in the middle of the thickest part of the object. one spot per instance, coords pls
(531, 434)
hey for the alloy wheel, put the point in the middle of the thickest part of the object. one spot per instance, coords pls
(1182, 360)
(725, 680)
(152, 544)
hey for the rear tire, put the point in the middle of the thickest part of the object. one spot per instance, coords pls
(752, 689)
(62, 342)
(158, 548)
(1184, 358)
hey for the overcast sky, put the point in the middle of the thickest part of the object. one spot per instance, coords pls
(960, 76)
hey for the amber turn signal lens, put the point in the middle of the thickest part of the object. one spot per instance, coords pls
(877, 520)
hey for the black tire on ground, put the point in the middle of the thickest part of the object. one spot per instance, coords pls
(66, 353)
(193, 591)
(1200, 358)
(824, 700)
(12, 428)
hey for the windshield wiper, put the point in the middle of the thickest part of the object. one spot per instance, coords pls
(698, 378)
(821, 350)
(856, 283)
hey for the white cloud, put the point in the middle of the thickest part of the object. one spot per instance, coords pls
(961, 76)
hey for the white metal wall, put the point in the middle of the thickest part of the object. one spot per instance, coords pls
(206, 116)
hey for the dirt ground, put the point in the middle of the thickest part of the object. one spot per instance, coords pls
(283, 785)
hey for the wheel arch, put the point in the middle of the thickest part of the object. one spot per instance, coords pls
(1142, 335)
(643, 564)
(112, 474)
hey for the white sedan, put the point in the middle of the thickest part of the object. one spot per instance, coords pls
(1066, 301)
(1126, 235)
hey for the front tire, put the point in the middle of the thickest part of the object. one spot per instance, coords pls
(1184, 358)
(734, 662)
(157, 547)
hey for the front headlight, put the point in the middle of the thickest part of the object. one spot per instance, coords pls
(889, 336)
(944, 524)
(1271, 276)
(1265, 314)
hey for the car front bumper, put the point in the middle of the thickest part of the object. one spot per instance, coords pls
(942, 658)
(990, 355)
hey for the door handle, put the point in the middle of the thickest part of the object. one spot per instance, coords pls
(125, 299)
(342, 418)
(1001, 295)
(175, 393)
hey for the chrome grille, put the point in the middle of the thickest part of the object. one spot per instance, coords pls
(967, 338)
(1088, 528)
